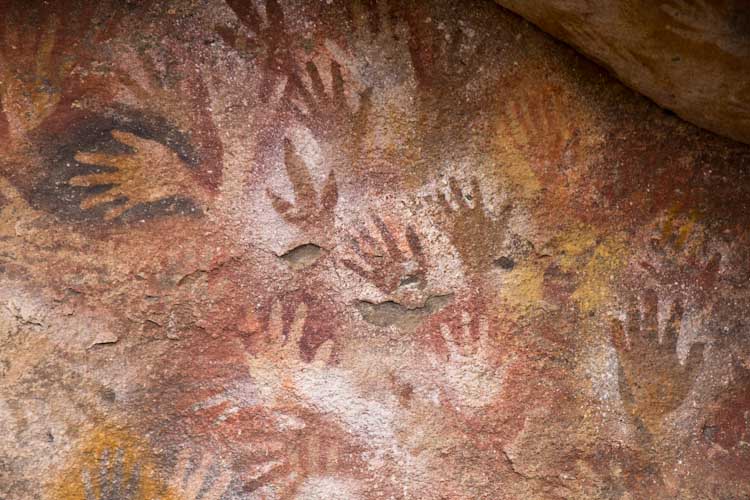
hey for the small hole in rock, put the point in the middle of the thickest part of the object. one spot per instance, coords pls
(408, 280)
(505, 263)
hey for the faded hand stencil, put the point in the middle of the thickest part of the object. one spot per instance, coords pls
(357, 249)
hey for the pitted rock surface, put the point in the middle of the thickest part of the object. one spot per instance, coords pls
(358, 250)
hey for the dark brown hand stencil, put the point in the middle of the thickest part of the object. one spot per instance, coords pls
(270, 41)
(472, 230)
(390, 267)
(328, 115)
(652, 380)
(444, 59)
(311, 210)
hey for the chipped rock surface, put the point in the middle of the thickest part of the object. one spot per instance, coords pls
(357, 250)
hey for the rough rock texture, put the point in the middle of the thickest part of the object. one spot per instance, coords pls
(349, 250)
(690, 56)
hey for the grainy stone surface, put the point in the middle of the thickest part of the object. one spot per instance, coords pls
(690, 56)
(326, 250)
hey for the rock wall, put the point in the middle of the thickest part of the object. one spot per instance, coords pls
(357, 250)
(690, 56)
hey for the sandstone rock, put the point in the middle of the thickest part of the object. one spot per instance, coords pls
(689, 56)
(361, 250)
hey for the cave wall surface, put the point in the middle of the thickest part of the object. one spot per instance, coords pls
(358, 250)
(690, 56)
